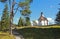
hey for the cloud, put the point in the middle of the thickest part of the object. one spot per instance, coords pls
(16, 20)
(31, 23)
(51, 21)
(36, 21)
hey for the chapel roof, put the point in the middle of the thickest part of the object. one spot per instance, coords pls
(42, 17)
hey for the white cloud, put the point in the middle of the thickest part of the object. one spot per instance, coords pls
(36, 21)
(31, 23)
(51, 21)
(16, 20)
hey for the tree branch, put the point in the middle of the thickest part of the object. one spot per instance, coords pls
(16, 10)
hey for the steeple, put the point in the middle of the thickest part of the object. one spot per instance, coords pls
(41, 13)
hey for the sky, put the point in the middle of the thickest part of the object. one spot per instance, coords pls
(48, 7)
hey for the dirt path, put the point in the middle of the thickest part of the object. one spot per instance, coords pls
(17, 35)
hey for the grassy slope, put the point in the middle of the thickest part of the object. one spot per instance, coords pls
(42, 32)
(38, 27)
(5, 35)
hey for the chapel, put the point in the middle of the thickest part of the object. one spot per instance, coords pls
(42, 20)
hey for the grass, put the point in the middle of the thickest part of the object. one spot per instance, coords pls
(5, 35)
(40, 32)
(56, 26)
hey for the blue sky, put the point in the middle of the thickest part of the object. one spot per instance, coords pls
(48, 7)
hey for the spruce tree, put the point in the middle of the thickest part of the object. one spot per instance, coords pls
(20, 23)
(28, 21)
(0, 25)
(57, 20)
(5, 18)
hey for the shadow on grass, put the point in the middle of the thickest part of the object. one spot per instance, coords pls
(3, 35)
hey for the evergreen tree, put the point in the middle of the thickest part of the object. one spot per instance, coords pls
(28, 21)
(34, 23)
(58, 18)
(5, 18)
(26, 10)
(0, 25)
(13, 10)
(20, 23)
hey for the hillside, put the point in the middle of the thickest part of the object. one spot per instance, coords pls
(43, 32)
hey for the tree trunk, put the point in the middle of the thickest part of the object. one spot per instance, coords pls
(11, 16)
(11, 20)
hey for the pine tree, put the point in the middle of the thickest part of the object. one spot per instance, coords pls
(28, 21)
(58, 18)
(26, 10)
(20, 23)
(0, 25)
(5, 18)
